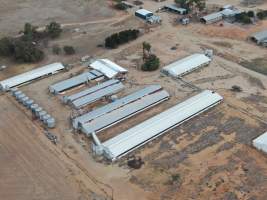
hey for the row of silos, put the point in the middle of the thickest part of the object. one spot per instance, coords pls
(37, 111)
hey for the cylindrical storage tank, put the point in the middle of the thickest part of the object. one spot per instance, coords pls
(22, 96)
(51, 122)
(29, 103)
(24, 100)
(19, 97)
(45, 118)
(33, 107)
(42, 114)
(14, 90)
(17, 93)
(37, 111)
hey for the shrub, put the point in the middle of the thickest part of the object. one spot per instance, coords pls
(243, 18)
(6, 46)
(151, 64)
(120, 6)
(56, 50)
(69, 50)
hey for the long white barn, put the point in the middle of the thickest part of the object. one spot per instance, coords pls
(139, 135)
(20, 79)
(186, 65)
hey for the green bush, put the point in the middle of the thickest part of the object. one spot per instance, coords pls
(251, 13)
(151, 64)
(243, 18)
(120, 6)
(69, 50)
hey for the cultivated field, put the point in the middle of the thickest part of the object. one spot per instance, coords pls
(208, 157)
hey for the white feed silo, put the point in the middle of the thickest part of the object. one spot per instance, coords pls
(29, 103)
(51, 122)
(33, 107)
(19, 97)
(14, 90)
(42, 114)
(45, 118)
(24, 99)
(37, 111)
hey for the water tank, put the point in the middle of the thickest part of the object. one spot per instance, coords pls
(24, 99)
(17, 94)
(42, 114)
(51, 122)
(33, 107)
(13, 90)
(29, 103)
(37, 111)
(19, 97)
(45, 118)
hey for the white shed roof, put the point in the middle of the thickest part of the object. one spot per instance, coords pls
(213, 17)
(261, 142)
(137, 136)
(107, 67)
(186, 65)
(30, 75)
(143, 12)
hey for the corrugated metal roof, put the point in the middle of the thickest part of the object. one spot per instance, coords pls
(174, 7)
(159, 124)
(85, 100)
(108, 68)
(72, 82)
(261, 142)
(144, 12)
(186, 65)
(115, 105)
(260, 36)
(213, 17)
(30, 75)
(90, 90)
(124, 112)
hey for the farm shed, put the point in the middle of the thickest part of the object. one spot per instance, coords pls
(152, 128)
(115, 105)
(261, 142)
(73, 97)
(108, 68)
(73, 82)
(26, 77)
(123, 113)
(143, 14)
(97, 95)
(186, 65)
(260, 37)
(212, 18)
(175, 9)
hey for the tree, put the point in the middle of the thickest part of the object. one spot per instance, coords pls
(251, 13)
(191, 4)
(6, 47)
(25, 51)
(69, 50)
(146, 50)
(151, 64)
(29, 32)
(54, 29)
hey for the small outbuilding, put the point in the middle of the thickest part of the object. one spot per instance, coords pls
(212, 18)
(175, 9)
(260, 38)
(261, 142)
(108, 68)
(143, 14)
